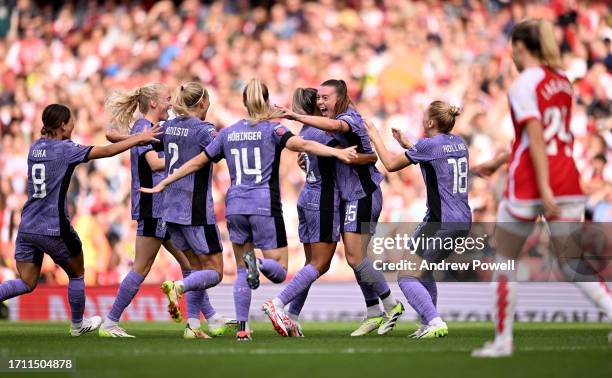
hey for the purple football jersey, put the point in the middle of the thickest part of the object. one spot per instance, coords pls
(320, 191)
(50, 167)
(356, 181)
(145, 205)
(253, 153)
(188, 201)
(444, 165)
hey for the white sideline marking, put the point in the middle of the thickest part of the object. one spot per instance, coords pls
(296, 351)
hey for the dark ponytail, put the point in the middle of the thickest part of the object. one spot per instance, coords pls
(343, 100)
(53, 116)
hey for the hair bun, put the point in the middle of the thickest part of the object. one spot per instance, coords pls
(454, 111)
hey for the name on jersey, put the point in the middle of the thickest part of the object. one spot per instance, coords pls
(239, 136)
(448, 148)
(553, 87)
(178, 131)
(39, 153)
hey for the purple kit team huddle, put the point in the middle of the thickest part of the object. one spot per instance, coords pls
(172, 172)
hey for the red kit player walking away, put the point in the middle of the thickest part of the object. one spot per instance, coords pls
(542, 180)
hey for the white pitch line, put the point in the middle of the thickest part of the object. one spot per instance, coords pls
(298, 351)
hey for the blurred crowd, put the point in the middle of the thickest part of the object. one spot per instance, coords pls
(395, 55)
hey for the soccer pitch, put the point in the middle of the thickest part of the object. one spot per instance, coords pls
(552, 349)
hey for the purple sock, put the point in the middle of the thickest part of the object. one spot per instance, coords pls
(419, 298)
(370, 296)
(296, 305)
(13, 288)
(300, 282)
(366, 273)
(194, 303)
(272, 270)
(193, 299)
(76, 298)
(207, 308)
(432, 289)
(127, 290)
(242, 295)
(201, 280)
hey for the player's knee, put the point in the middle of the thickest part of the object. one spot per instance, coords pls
(321, 266)
(353, 261)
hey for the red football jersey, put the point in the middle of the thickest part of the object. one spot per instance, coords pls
(543, 94)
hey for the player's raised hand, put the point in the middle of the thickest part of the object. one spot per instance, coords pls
(285, 112)
(400, 138)
(347, 154)
(302, 161)
(149, 135)
(156, 189)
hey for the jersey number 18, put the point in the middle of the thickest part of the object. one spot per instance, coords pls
(460, 174)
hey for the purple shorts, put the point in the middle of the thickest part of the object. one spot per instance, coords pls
(361, 216)
(202, 240)
(152, 227)
(30, 247)
(265, 232)
(318, 226)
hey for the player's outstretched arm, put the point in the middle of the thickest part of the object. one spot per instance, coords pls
(115, 136)
(488, 168)
(537, 150)
(323, 123)
(155, 162)
(298, 144)
(191, 166)
(391, 162)
(364, 159)
(146, 137)
(400, 138)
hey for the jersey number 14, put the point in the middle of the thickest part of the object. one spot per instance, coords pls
(241, 162)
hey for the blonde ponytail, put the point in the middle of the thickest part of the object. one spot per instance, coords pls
(549, 49)
(120, 106)
(255, 98)
(187, 96)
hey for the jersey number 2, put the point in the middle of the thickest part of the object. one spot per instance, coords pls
(460, 174)
(174, 155)
(38, 179)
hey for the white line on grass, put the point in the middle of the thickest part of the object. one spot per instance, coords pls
(107, 352)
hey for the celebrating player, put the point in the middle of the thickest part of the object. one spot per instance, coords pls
(45, 226)
(443, 158)
(360, 202)
(252, 148)
(318, 213)
(152, 100)
(188, 207)
(542, 175)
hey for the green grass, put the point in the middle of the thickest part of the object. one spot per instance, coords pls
(542, 350)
